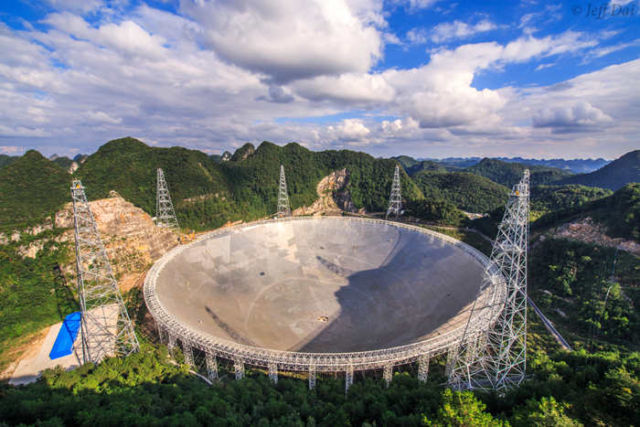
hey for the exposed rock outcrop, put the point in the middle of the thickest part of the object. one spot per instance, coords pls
(132, 240)
(588, 231)
(333, 196)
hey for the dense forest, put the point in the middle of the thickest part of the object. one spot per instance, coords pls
(469, 192)
(618, 212)
(207, 193)
(508, 174)
(31, 188)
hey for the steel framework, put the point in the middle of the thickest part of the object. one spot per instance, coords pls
(312, 363)
(395, 200)
(496, 359)
(106, 329)
(165, 215)
(283, 196)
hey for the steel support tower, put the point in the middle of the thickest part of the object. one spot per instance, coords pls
(106, 329)
(165, 215)
(395, 200)
(283, 196)
(496, 358)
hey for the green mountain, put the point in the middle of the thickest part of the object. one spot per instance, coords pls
(6, 160)
(619, 212)
(406, 161)
(243, 152)
(615, 175)
(31, 188)
(207, 193)
(200, 191)
(545, 198)
(63, 162)
(508, 174)
(469, 192)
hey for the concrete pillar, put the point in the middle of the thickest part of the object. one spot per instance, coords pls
(348, 378)
(239, 368)
(312, 377)
(273, 372)
(387, 374)
(171, 344)
(423, 367)
(188, 353)
(212, 366)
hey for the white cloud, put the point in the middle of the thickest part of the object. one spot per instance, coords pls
(287, 40)
(102, 117)
(579, 114)
(78, 6)
(349, 130)
(458, 30)
(417, 36)
(356, 88)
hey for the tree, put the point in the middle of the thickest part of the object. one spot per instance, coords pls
(463, 409)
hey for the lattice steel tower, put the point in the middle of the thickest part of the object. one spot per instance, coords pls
(497, 359)
(395, 200)
(106, 329)
(283, 196)
(165, 215)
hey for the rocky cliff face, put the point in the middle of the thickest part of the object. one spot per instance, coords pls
(131, 239)
(588, 231)
(333, 196)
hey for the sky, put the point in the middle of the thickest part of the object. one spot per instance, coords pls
(425, 78)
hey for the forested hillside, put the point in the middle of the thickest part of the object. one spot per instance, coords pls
(31, 188)
(615, 175)
(508, 174)
(546, 198)
(469, 192)
(6, 160)
(128, 166)
(619, 212)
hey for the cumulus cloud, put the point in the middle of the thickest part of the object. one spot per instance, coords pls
(349, 130)
(578, 115)
(355, 88)
(287, 40)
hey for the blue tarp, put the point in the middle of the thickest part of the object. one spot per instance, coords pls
(67, 335)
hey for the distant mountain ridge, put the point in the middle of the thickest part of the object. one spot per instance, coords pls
(614, 175)
(508, 174)
(572, 165)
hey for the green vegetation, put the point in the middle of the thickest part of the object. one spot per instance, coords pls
(509, 174)
(469, 192)
(33, 292)
(198, 188)
(6, 160)
(546, 198)
(63, 162)
(243, 152)
(615, 175)
(207, 194)
(31, 188)
(619, 213)
(576, 279)
(563, 389)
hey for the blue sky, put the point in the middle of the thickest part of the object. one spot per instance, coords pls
(426, 78)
